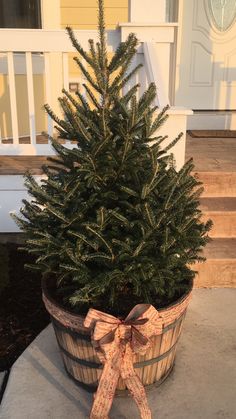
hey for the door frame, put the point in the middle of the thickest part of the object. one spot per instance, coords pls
(180, 7)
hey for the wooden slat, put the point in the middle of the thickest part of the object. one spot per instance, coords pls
(30, 89)
(12, 88)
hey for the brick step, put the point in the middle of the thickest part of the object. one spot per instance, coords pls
(218, 184)
(222, 211)
(220, 268)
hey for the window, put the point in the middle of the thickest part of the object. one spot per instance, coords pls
(20, 14)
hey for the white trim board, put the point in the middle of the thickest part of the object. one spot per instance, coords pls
(210, 120)
(46, 40)
(12, 191)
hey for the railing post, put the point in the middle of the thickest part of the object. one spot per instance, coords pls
(154, 72)
(147, 11)
(51, 19)
(147, 19)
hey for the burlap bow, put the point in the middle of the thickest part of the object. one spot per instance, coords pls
(116, 341)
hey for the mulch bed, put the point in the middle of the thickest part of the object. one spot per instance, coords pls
(22, 313)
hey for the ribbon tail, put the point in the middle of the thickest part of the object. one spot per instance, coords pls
(105, 392)
(135, 385)
(138, 392)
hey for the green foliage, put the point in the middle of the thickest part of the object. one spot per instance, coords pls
(4, 264)
(114, 221)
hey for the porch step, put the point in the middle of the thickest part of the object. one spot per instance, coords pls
(222, 211)
(218, 184)
(212, 154)
(215, 166)
(211, 120)
(220, 268)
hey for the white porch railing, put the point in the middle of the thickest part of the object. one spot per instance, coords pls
(28, 54)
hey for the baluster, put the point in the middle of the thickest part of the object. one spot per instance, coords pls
(30, 90)
(12, 88)
(47, 70)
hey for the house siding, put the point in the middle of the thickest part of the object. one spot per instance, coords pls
(82, 14)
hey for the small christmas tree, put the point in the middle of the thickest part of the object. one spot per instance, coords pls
(114, 221)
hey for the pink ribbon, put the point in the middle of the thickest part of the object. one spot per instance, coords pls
(116, 341)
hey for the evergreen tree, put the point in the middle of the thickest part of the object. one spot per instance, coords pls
(114, 221)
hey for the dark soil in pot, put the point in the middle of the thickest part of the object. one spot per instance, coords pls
(127, 302)
(124, 302)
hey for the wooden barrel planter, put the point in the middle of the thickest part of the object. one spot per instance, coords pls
(81, 361)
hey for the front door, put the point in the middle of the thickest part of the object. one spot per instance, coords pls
(206, 64)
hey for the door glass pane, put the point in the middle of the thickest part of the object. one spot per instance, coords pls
(223, 13)
(20, 14)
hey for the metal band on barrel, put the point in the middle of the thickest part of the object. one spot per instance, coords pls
(96, 365)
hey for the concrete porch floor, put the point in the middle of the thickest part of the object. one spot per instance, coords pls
(201, 386)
